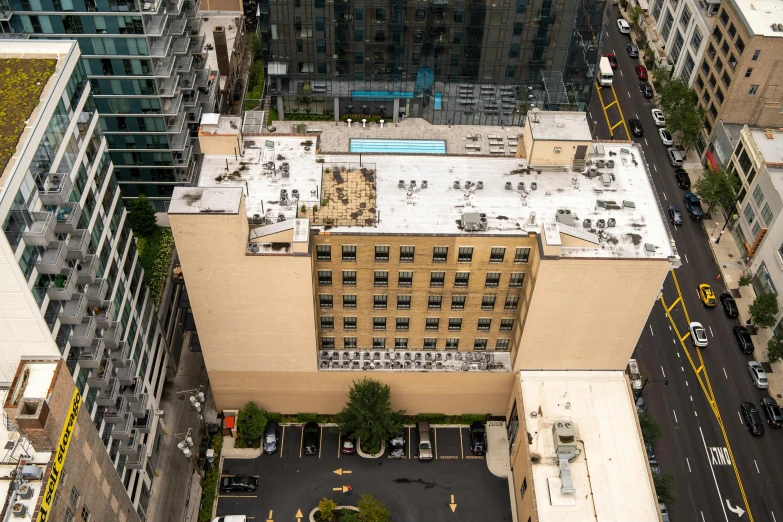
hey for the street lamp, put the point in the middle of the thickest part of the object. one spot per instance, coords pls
(647, 380)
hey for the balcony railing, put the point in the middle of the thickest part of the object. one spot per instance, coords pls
(103, 315)
(67, 218)
(41, 231)
(63, 287)
(184, 63)
(164, 66)
(181, 44)
(74, 310)
(130, 446)
(172, 105)
(56, 190)
(160, 48)
(53, 259)
(194, 25)
(101, 377)
(96, 293)
(87, 269)
(121, 354)
(127, 377)
(78, 244)
(124, 429)
(116, 412)
(109, 396)
(188, 81)
(175, 124)
(83, 334)
(137, 460)
(113, 335)
(138, 407)
(169, 86)
(144, 424)
(156, 24)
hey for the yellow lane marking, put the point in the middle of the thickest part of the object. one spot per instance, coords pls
(461, 448)
(269, 518)
(435, 442)
(339, 446)
(452, 505)
(622, 118)
(282, 441)
(301, 443)
(676, 301)
(604, 107)
(341, 488)
(321, 441)
(679, 294)
(341, 471)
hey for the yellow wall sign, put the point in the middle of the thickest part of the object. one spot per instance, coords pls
(59, 458)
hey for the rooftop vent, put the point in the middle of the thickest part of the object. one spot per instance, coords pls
(565, 216)
(474, 222)
(534, 115)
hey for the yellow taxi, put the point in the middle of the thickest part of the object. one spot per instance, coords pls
(707, 295)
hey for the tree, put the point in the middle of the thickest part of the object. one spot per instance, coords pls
(775, 348)
(680, 106)
(326, 510)
(141, 217)
(745, 279)
(372, 510)
(636, 15)
(717, 188)
(764, 310)
(347, 515)
(665, 488)
(251, 422)
(368, 414)
(689, 124)
(675, 95)
(651, 430)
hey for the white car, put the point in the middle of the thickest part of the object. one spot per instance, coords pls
(758, 375)
(698, 334)
(658, 118)
(623, 26)
(666, 137)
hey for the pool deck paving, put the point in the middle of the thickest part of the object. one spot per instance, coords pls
(335, 137)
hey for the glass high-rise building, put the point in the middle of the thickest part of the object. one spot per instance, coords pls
(145, 61)
(460, 62)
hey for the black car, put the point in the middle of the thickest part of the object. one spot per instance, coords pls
(238, 483)
(397, 446)
(675, 216)
(636, 127)
(646, 89)
(633, 50)
(310, 442)
(683, 179)
(729, 305)
(772, 412)
(271, 437)
(743, 339)
(478, 438)
(752, 419)
(650, 451)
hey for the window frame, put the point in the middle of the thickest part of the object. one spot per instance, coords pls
(348, 253)
(407, 253)
(323, 252)
(382, 253)
(350, 322)
(379, 323)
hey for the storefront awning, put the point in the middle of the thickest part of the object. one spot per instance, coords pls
(712, 162)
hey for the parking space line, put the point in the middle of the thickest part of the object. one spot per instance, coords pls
(409, 443)
(238, 496)
(461, 449)
(435, 442)
(339, 437)
(321, 441)
(282, 442)
(301, 443)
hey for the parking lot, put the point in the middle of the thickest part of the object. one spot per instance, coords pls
(289, 480)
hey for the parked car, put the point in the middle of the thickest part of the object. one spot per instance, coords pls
(310, 442)
(657, 116)
(664, 513)
(424, 440)
(758, 375)
(693, 206)
(654, 467)
(238, 483)
(230, 518)
(698, 334)
(633, 50)
(729, 305)
(623, 26)
(612, 60)
(772, 412)
(271, 437)
(675, 216)
(650, 451)
(646, 89)
(348, 445)
(675, 157)
(666, 137)
(636, 127)
(478, 438)
(682, 178)
(397, 446)
(743, 338)
(641, 72)
(752, 419)
(706, 295)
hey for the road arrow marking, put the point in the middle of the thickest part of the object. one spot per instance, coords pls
(269, 518)
(453, 506)
(736, 510)
(299, 515)
(341, 472)
(341, 488)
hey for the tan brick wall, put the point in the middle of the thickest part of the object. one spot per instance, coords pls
(521, 467)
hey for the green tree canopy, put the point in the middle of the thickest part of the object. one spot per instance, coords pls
(717, 188)
(764, 310)
(368, 414)
(372, 510)
(251, 422)
(141, 217)
(651, 430)
(775, 348)
(680, 106)
(326, 510)
(665, 488)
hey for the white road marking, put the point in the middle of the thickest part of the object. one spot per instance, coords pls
(621, 73)
(689, 464)
(698, 294)
(691, 398)
(663, 372)
(725, 516)
(773, 516)
(686, 258)
(740, 417)
(655, 167)
(686, 383)
(725, 374)
(674, 341)
(695, 414)
(678, 354)
(682, 368)
(670, 328)
(702, 516)
(645, 139)
(675, 416)
(757, 467)
(651, 331)
(607, 34)
(629, 94)
(664, 196)
(712, 334)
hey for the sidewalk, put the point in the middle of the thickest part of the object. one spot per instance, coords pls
(497, 460)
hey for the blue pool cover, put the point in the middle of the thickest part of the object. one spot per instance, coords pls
(381, 95)
(398, 146)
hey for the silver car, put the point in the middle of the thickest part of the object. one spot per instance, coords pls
(698, 334)
(758, 375)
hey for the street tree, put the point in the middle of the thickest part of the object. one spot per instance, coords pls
(689, 124)
(775, 348)
(764, 310)
(326, 510)
(251, 422)
(674, 96)
(717, 188)
(372, 510)
(745, 279)
(665, 488)
(141, 217)
(368, 415)
(636, 15)
(651, 430)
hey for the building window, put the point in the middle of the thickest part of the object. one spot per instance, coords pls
(403, 323)
(766, 214)
(458, 14)
(517, 28)
(726, 79)
(379, 343)
(349, 323)
(480, 344)
(68, 515)
(484, 324)
(400, 343)
(323, 252)
(327, 343)
(324, 277)
(327, 322)
(461, 278)
(502, 344)
(358, 35)
(506, 325)
(458, 302)
(740, 45)
(430, 343)
(381, 253)
(696, 39)
(349, 301)
(381, 278)
(516, 279)
(434, 302)
(497, 254)
(405, 279)
(724, 17)
(439, 254)
(753, 89)
(379, 302)
(725, 48)
(493, 279)
(379, 323)
(523, 489)
(465, 255)
(349, 252)
(522, 255)
(325, 300)
(406, 254)
(513, 50)
(455, 323)
(668, 21)
(403, 302)
(749, 214)
(732, 31)
(437, 278)
(488, 302)
(758, 195)
(685, 18)
(748, 72)
(432, 323)
(756, 54)
(380, 14)
(512, 302)
(349, 277)
(349, 342)
(756, 230)
(452, 343)
(719, 95)
(358, 13)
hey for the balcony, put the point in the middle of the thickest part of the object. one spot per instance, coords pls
(82, 336)
(67, 218)
(86, 270)
(123, 430)
(191, 99)
(63, 287)
(53, 260)
(101, 377)
(121, 354)
(194, 25)
(56, 189)
(138, 408)
(74, 310)
(188, 82)
(103, 315)
(169, 86)
(116, 412)
(184, 63)
(131, 384)
(172, 105)
(109, 396)
(96, 293)
(137, 460)
(144, 424)
(181, 44)
(175, 124)
(156, 24)
(194, 114)
(112, 336)
(160, 48)
(41, 231)
(130, 446)
(197, 44)
(182, 159)
(182, 139)
(191, 8)
(164, 67)
(78, 244)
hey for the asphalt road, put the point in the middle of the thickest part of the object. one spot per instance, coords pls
(713, 456)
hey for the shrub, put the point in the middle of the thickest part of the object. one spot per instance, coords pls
(435, 418)
(155, 257)
(306, 417)
(467, 418)
(326, 510)
(346, 515)
(372, 510)
(208, 493)
(251, 422)
(217, 444)
(274, 416)
(141, 217)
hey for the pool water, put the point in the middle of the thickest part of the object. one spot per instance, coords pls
(398, 146)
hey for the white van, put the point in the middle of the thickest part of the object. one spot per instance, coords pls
(605, 73)
(231, 518)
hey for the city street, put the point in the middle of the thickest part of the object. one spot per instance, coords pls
(722, 472)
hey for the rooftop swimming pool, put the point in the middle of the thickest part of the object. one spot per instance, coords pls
(398, 146)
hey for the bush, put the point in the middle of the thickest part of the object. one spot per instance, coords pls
(369, 416)
(217, 444)
(326, 509)
(372, 510)
(251, 422)
(306, 417)
(274, 416)
(141, 217)
(209, 486)
(467, 418)
(155, 257)
(346, 515)
(435, 418)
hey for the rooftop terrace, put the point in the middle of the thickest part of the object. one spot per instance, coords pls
(760, 16)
